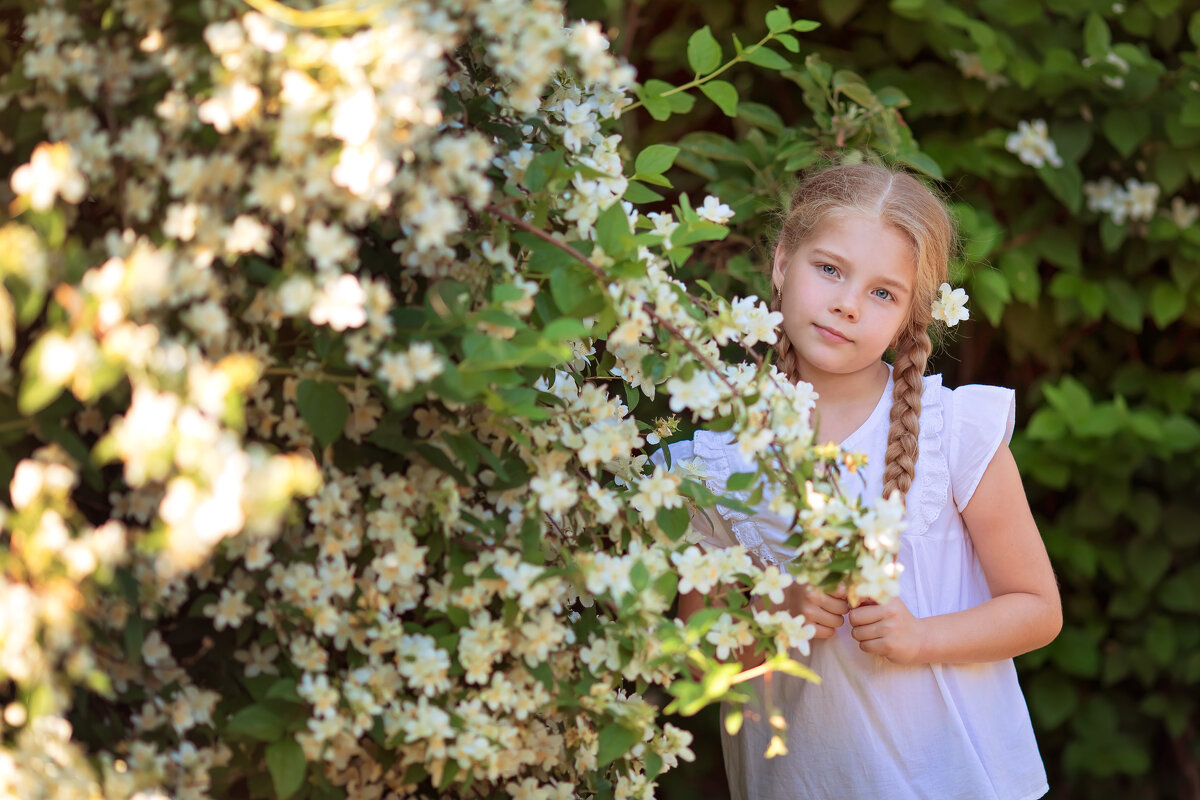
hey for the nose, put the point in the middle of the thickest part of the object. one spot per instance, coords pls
(845, 303)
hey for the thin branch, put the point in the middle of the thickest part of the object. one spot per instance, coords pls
(699, 80)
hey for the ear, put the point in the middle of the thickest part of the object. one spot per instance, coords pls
(779, 269)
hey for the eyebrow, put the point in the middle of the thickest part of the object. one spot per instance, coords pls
(891, 283)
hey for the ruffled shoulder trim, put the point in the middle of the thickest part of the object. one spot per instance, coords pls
(723, 458)
(931, 485)
(982, 420)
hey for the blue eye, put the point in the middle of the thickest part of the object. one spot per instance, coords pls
(883, 294)
(828, 269)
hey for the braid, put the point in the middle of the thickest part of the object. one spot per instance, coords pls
(786, 362)
(900, 463)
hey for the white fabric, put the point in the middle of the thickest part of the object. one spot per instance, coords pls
(873, 729)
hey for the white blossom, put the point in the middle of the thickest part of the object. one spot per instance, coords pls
(1033, 145)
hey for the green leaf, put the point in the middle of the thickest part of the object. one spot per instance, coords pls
(655, 159)
(1060, 246)
(1046, 424)
(1112, 234)
(851, 85)
(650, 93)
(612, 231)
(255, 722)
(703, 51)
(779, 20)
(615, 741)
(1070, 397)
(284, 689)
(541, 168)
(639, 193)
(1073, 138)
(1075, 652)
(1161, 641)
(760, 116)
(924, 163)
(324, 408)
(1096, 36)
(286, 763)
(564, 328)
(1167, 303)
(673, 521)
(571, 285)
(723, 94)
(763, 56)
(681, 102)
(1148, 562)
(740, 481)
(1124, 305)
(1020, 268)
(1126, 129)
(712, 145)
(991, 293)
(1052, 698)
(1181, 592)
(1065, 183)
(805, 25)
(789, 42)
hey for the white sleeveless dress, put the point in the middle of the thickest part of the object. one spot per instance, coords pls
(873, 729)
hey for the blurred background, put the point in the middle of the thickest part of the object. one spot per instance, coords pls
(1066, 135)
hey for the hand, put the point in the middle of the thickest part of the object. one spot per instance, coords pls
(888, 630)
(824, 611)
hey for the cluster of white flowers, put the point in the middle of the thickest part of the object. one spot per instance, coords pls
(1129, 203)
(748, 321)
(1032, 144)
(280, 213)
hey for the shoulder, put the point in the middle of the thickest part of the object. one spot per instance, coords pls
(979, 420)
(971, 403)
(981, 409)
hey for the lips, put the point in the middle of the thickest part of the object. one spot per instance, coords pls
(831, 334)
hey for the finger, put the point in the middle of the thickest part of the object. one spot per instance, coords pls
(819, 616)
(874, 646)
(823, 632)
(839, 592)
(865, 615)
(865, 633)
(830, 603)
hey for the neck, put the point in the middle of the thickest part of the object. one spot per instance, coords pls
(840, 390)
(844, 402)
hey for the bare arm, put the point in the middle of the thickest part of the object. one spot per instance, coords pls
(1025, 611)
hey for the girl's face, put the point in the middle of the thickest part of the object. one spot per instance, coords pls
(846, 293)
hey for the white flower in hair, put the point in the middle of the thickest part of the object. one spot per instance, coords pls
(951, 306)
(714, 210)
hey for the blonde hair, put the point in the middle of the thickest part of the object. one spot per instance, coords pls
(896, 198)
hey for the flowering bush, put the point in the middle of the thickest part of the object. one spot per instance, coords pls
(324, 335)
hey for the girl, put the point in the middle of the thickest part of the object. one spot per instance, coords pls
(919, 696)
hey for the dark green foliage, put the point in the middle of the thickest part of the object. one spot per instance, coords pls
(1092, 319)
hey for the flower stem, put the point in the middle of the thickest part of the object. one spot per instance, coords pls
(697, 81)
